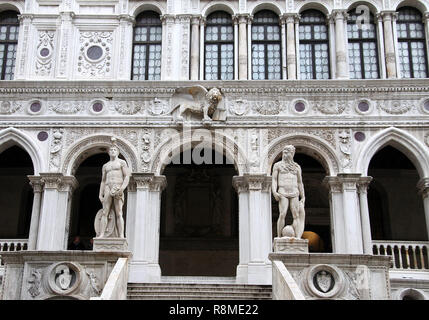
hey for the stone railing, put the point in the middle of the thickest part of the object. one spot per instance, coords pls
(406, 255)
(116, 286)
(284, 286)
(7, 245)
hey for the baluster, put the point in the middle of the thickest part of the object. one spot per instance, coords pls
(392, 254)
(413, 248)
(407, 257)
(399, 257)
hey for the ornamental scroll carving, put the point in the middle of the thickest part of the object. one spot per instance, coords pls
(45, 49)
(95, 53)
(396, 106)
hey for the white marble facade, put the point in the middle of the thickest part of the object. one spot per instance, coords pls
(261, 117)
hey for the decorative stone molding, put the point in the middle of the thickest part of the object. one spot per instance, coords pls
(423, 187)
(127, 107)
(345, 145)
(363, 184)
(239, 107)
(66, 107)
(9, 107)
(147, 181)
(396, 106)
(95, 53)
(45, 53)
(269, 107)
(157, 107)
(58, 181)
(36, 183)
(331, 107)
(55, 149)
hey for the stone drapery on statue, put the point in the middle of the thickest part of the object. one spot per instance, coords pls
(287, 188)
(109, 222)
(198, 100)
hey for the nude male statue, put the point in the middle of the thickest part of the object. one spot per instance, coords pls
(115, 178)
(287, 188)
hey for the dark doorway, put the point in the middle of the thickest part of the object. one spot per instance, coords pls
(199, 220)
(395, 208)
(317, 213)
(16, 196)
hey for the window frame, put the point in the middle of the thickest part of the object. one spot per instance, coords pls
(409, 40)
(145, 43)
(313, 42)
(7, 42)
(361, 41)
(265, 43)
(219, 44)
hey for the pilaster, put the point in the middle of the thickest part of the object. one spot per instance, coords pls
(389, 43)
(342, 71)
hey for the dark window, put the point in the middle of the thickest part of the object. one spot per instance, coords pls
(363, 53)
(9, 29)
(266, 46)
(411, 43)
(147, 47)
(313, 46)
(219, 47)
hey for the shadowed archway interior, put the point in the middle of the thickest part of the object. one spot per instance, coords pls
(395, 207)
(199, 220)
(16, 195)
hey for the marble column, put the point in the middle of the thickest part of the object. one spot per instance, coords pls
(342, 71)
(291, 19)
(389, 43)
(338, 236)
(283, 47)
(54, 212)
(24, 40)
(423, 187)
(36, 183)
(242, 46)
(125, 55)
(143, 224)
(363, 184)
(426, 23)
(202, 48)
(255, 228)
(195, 46)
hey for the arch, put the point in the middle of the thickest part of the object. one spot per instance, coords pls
(12, 136)
(399, 139)
(315, 6)
(268, 5)
(94, 144)
(11, 5)
(147, 6)
(310, 145)
(178, 141)
(417, 4)
(213, 6)
(373, 6)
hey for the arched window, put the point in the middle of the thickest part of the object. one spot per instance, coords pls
(219, 47)
(266, 46)
(147, 47)
(9, 29)
(363, 53)
(313, 46)
(411, 43)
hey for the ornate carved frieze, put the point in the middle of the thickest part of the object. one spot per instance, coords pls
(55, 149)
(157, 107)
(396, 106)
(345, 142)
(45, 53)
(95, 53)
(66, 107)
(332, 107)
(239, 107)
(273, 107)
(146, 146)
(326, 134)
(128, 107)
(9, 107)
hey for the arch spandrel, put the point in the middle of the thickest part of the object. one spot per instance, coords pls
(267, 5)
(12, 136)
(141, 6)
(214, 6)
(91, 145)
(409, 145)
(306, 144)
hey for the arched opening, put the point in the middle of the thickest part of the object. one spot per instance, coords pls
(317, 213)
(395, 207)
(199, 218)
(86, 203)
(16, 194)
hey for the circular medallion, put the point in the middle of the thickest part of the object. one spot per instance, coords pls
(97, 107)
(363, 106)
(64, 277)
(94, 52)
(324, 281)
(299, 106)
(359, 136)
(44, 52)
(42, 136)
(35, 107)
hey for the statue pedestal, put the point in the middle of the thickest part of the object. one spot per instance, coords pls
(110, 244)
(290, 245)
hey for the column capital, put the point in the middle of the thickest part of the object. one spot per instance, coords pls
(196, 19)
(58, 181)
(363, 184)
(342, 182)
(242, 18)
(290, 17)
(253, 182)
(184, 17)
(388, 15)
(339, 14)
(126, 18)
(167, 18)
(25, 17)
(423, 187)
(36, 183)
(147, 181)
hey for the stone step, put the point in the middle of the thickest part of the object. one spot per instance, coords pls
(197, 291)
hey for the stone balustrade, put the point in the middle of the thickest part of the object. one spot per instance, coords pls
(12, 245)
(406, 255)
